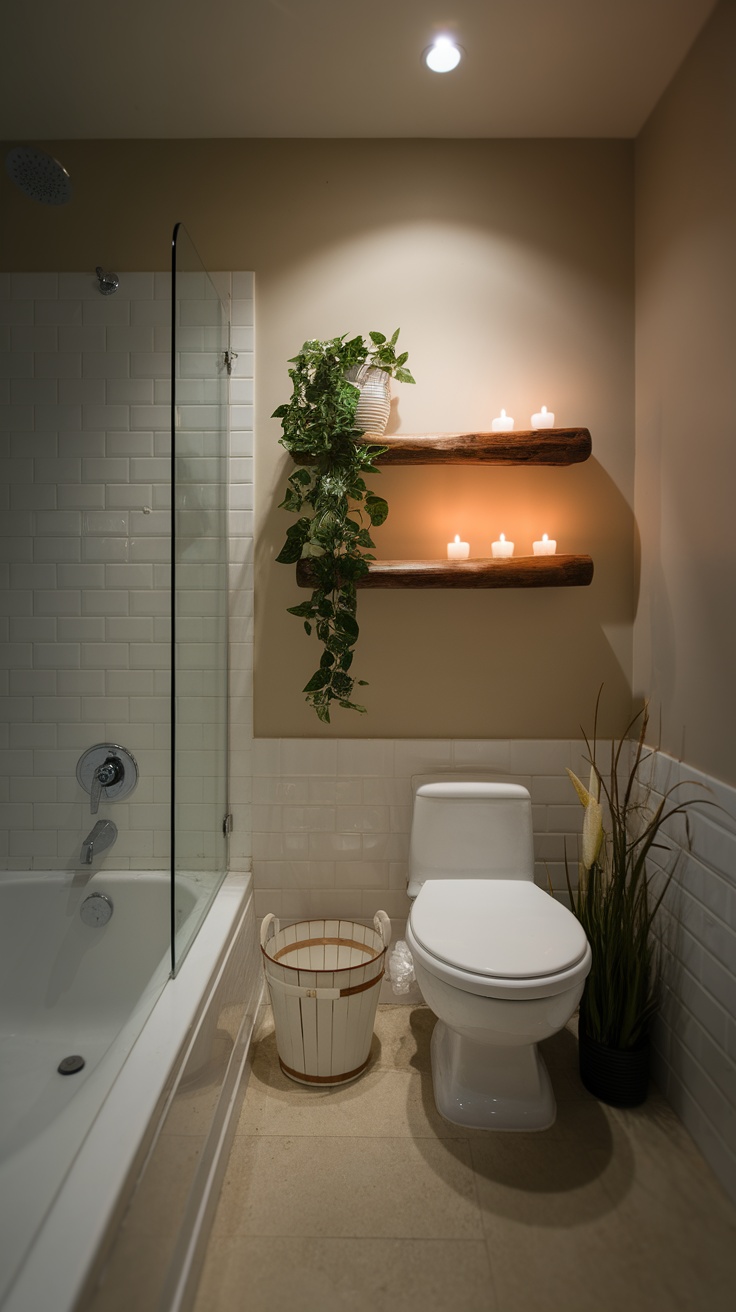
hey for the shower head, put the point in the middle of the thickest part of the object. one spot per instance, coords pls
(39, 176)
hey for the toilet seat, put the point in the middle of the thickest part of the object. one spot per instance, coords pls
(497, 938)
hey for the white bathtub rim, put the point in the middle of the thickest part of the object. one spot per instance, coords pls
(57, 1265)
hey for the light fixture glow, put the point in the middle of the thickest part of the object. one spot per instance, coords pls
(443, 55)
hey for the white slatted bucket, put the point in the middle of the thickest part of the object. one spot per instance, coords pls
(324, 978)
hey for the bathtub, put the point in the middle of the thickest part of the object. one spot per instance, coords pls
(105, 993)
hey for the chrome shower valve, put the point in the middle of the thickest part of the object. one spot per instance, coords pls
(109, 770)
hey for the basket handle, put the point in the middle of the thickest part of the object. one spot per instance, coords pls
(269, 928)
(382, 926)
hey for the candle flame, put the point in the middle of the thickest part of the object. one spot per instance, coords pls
(457, 537)
(502, 537)
(544, 411)
(545, 538)
(503, 414)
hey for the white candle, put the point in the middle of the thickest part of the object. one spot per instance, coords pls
(458, 550)
(545, 419)
(547, 547)
(502, 547)
(503, 424)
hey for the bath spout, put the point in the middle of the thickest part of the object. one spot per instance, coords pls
(98, 840)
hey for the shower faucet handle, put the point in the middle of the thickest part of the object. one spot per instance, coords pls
(110, 772)
(107, 768)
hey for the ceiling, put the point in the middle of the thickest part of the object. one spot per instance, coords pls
(337, 68)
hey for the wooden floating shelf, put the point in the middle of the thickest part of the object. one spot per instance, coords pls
(534, 446)
(518, 572)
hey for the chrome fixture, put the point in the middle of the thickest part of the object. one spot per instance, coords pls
(96, 910)
(39, 176)
(98, 840)
(109, 769)
(109, 282)
(230, 357)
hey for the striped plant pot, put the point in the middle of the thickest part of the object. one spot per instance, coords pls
(324, 977)
(374, 403)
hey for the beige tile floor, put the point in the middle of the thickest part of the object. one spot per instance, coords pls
(363, 1199)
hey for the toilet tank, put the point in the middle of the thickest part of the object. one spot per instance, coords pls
(464, 830)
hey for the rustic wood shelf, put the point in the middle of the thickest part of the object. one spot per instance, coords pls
(518, 572)
(534, 446)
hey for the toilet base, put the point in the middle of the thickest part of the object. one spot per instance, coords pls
(490, 1087)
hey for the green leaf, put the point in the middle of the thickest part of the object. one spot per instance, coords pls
(292, 501)
(300, 530)
(290, 553)
(403, 376)
(378, 338)
(347, 623)
(318, 680)
(305, 608)
(377, 509)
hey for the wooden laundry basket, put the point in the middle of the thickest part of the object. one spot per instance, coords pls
(324, 978)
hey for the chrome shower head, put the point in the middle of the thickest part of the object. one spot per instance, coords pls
(39, 176)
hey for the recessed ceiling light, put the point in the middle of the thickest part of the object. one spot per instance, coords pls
(443, 55)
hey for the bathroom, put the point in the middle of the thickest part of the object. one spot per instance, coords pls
(588, 271)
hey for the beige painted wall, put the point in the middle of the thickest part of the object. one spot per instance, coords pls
(509, 268)
(685, 632)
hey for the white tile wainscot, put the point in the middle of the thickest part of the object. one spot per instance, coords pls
(331, 819)
(695, 1033)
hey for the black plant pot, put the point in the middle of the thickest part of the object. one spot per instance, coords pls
(617, 1076)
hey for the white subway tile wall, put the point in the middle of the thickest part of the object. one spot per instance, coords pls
(331, 819)
(695, 1032)
(85, 550)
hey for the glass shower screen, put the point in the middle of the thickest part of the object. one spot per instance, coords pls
(199, 630)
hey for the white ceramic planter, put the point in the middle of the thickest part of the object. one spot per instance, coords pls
(374, 405)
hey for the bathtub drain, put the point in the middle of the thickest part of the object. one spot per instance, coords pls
(70, 1065)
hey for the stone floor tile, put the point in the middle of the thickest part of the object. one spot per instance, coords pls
(381, 1103)
(346, 1275)
(349, 1188)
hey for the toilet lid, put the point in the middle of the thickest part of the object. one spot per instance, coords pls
(507, 928)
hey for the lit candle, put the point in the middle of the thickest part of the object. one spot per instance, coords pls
(545, 419)
(503, 424)
(547, 547)
(502, 547)
(458, 550)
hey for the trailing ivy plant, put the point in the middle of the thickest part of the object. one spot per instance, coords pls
(335, 506)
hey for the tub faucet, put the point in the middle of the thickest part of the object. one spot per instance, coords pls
(101, 837)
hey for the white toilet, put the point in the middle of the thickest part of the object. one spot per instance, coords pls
(500, 962)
